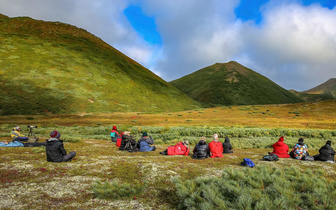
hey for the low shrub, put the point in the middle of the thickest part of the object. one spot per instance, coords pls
(258, 188)
(115, 190)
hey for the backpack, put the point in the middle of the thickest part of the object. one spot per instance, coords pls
(114, 137)
(128, 146)
(247, 162)
(271, 157)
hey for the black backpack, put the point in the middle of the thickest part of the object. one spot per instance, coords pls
(128, 146)
(271, 157)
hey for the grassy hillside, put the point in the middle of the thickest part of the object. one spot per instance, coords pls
(311, 97)
(329, 87)
(232, 84)
(54, 67)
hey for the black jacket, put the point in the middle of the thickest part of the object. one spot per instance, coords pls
(326, 153)
(55, 150)
(227, 146)
(124, 141)
(201, 150)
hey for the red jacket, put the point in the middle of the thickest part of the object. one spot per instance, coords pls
(216, 149)
(280, 148)
(178, 149)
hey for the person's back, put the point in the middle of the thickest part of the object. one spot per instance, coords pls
(144, 143)
(227, 148)
(300, 150)
(180, 148)
(216, 147)
(128, 142)
(201, 150)
(326, 153)
(280, 148)
(55, 150)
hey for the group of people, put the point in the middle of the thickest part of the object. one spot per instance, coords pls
(55, 151)
(202, 150)
(300, 151)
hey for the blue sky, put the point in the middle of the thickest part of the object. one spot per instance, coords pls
(292, 42)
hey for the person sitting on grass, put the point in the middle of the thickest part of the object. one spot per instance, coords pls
(201, 150)
(280, 148)
(19, 144)
(181, 148)
(227, 148)
(144, 143)
(115, 136)
(216, 147)
(300, 150)
(55, 150)
(128, 142)
(327, 153)
(17, 136)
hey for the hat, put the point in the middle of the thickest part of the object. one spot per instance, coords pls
(301, 139)
(329, 142)
(55, 134)
(144, 134)
(186, 142)
(281, 138)
(17, 128)
(127, 132)
(203, 138)
(114, 127)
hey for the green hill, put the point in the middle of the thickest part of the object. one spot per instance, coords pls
(308, 97)
(232, 84)
(59, 68)
(328, 87)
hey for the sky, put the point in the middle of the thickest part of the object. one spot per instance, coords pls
(292, 42)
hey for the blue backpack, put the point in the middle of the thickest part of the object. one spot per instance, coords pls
(247, 162)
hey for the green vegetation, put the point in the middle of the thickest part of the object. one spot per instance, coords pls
(115, 190)
(258, 188)
(232, 84)
(327, 88)
(51, 67)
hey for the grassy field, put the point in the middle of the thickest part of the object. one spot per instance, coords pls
(99, 169)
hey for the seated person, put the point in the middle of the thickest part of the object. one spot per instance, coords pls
(20, 144)
(227, 148)
(16, 136)
(201, 150)
(216, 147)
(327, 153)
(300, 150)
(115, 136)
(128, 143)
(144, 143)
(280, 148)
(181, 148)
(55, 149)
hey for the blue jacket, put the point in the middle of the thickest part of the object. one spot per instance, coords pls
(11, 144)
(144, 144)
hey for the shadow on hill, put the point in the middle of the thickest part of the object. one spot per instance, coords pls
(21, 98)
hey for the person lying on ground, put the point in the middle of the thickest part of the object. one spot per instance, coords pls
(201, 150)
(17, 136)
(300, 150)
(128, 142)
(280, 148)
(19, 144)
(181, 148)
(227, 148)
(115, 134)
(216, 147)
(55, 150)
(326, 153)
(144, 142)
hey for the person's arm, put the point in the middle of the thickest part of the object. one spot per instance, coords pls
(150, 140)
(187, 152)
(61, 147)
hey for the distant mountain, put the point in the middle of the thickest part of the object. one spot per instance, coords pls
(329, 87)
(232, 84)
(312, 97)
(52, 67)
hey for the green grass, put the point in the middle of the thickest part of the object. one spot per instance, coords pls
(50, 67)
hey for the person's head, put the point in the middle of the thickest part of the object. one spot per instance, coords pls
(215, 137)
(202, 142)
(55, 134)
(144, 134)
(281, 139)
(185, 143)
(301, 141)
(127, 133)
(227, 140)
(203, 138)
(114, 128)
(17, 128)
(329, 142)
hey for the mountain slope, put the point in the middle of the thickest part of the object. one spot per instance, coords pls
(59, 68)
(232, 84)
(328, 87)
